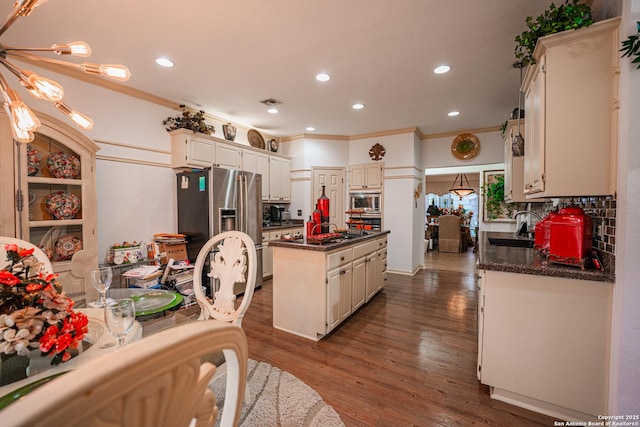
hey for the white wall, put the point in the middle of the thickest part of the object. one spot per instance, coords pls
(625, 346)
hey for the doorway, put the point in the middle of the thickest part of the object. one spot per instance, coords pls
(333, 181)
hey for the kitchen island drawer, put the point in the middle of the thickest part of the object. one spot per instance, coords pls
(366, 248)
(339, 258)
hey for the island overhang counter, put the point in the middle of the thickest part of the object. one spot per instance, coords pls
(318, 286)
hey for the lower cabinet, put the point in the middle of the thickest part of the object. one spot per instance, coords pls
(267, 251)
(315, 291)
(543, 342)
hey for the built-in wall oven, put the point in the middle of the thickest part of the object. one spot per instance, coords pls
(370, 204)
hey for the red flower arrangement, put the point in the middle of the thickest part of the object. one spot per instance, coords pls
(34, 312)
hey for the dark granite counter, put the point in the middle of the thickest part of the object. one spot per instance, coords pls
(285, 224)
(327, 247)
(528, 261)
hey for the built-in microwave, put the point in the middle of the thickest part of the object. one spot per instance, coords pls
(369, 202)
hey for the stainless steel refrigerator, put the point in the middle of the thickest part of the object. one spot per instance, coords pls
(215, 200)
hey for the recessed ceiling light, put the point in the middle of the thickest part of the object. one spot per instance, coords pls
(453, 113)
(165, 62)
(442, 69)
(323, 77)
(311, 128)
(272, 110)
(357, 106)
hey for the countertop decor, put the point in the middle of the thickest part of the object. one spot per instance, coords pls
(528, 261)
(34, 312)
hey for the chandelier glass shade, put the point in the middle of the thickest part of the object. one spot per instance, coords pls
(23, 121)
(461, 190)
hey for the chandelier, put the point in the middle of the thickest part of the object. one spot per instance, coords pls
(461, 190)
(23, 122)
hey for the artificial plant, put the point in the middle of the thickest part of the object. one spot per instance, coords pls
(189, 120)
(631, 46)
(570, 15)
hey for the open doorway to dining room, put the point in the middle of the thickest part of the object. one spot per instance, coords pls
(441, 200)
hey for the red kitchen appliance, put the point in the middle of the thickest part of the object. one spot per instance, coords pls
(570, 233)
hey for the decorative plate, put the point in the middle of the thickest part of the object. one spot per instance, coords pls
(63, 165)
(155, 302)
(62, 205)
(21, 392)
(67, 245)
(465, 146)
(33, 161)
(273, 145)
(255, 139)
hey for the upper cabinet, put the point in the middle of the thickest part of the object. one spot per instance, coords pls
(367, 176)
(279, 179)
(197, 150)
(51, 183)
(571, 103)
(513, 166)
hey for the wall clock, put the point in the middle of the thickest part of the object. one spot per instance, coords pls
(465, 146)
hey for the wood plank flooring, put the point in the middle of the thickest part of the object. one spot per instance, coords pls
(407, 358)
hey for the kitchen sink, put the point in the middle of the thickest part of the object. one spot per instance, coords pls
(511, 242)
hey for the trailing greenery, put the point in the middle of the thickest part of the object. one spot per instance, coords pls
(568, 16)
(188, 120)
(631, 46)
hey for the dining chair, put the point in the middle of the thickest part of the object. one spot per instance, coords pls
(158, 381)
(231, 258)
(38, 253)
(449, 234)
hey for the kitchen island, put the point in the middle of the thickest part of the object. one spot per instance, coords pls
(543, 332)
(318, 286)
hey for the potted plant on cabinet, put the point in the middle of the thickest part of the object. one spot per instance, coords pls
(568, 16)
(188, 120)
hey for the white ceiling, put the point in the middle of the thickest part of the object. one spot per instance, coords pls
(231, 54)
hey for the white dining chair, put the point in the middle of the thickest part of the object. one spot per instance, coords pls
(45, 262)
(158, 381)
(231, 258)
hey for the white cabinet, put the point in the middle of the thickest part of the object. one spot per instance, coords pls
(262, 167)
(279, 179)
(543, 342)
(68, 237)
(197, 150)
(267, 256)
(572, 102)
(333, 288)
(369, 258)
(339, 282)
(249, 161)
(367, 176)
(513, 166)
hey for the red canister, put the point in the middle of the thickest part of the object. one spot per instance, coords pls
(571, 235)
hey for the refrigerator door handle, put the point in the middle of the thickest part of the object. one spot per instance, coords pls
(245, 198)
(241, 203)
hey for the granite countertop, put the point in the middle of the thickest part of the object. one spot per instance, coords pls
(528, 261)
(327, 247)
(285, 224)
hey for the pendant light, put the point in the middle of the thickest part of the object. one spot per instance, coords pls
(23, 122)
(461, 190)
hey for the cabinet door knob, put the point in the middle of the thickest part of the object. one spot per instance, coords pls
(341, 258)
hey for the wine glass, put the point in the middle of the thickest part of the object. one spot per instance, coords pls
(101, 279)
(119, 316)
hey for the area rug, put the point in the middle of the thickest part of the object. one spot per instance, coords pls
(279, 399)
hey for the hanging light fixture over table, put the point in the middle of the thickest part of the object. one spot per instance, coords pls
(23, 122)
(461, 190)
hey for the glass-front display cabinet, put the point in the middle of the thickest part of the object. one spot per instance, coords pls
(54, 204)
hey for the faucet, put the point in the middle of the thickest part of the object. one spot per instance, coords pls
(519, 226)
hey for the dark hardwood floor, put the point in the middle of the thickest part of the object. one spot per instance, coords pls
(407, 358)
